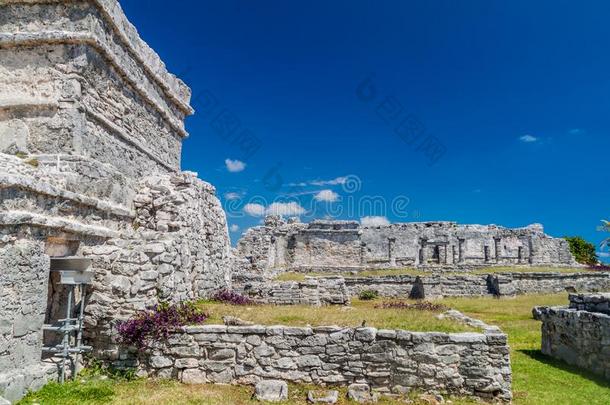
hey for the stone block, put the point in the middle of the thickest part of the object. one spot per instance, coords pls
(271, 390)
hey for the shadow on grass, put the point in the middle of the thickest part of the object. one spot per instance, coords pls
(563, 366)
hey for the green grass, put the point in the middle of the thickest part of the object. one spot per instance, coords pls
(303, 315)
(537, 379)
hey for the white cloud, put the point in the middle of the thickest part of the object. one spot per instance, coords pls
(326, 195)
(232, 195)
(333, 182)
(234, 228)
(603, 254)
(576, 131)
(374, 221)
(235, 166)
(528, 138)
(255, 210)
(285, 209)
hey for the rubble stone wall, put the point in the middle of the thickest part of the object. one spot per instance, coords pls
(578, 334)
(507, 284)
(312, 291)
(23, 287)
(475, 364)
(342, 246)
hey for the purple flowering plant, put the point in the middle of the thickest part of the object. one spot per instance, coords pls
(231, 297)
(156, 323)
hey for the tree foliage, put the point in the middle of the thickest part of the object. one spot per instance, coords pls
(583, 251)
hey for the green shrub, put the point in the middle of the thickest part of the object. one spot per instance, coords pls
(583, 251)
(367, 295)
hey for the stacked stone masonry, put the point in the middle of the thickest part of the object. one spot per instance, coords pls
(343, 246)
(340, 290)
(91, 130)
(389, 361)
(580, 333)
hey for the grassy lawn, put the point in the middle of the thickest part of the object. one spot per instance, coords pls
(536, 379)
(303, 315)
(293, 276)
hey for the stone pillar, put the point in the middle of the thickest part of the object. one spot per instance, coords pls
(497, 249)
(391, 258)
(460, 250)
(362, 253)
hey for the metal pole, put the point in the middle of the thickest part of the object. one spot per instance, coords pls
(79, 335)
(66, 338)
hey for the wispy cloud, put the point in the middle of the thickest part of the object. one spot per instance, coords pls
(291, 208)
(576, 131)
(332, 182)
(374, 221)
(326, 196)
(528, 138)
(233, 195)
(603, 254)
(235, 166)
(234, 228)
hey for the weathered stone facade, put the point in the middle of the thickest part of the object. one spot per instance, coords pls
(388, 361)
(578, 334)
(346, 246)
(315, 291)
(91, 128)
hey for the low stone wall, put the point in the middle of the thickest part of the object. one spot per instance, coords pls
(504, 284)
(390, 361)
(311, 291)
(578, 334)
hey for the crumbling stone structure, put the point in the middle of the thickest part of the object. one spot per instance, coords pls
(388, 361)
(580, 333)
(91, 128)
(346, 246)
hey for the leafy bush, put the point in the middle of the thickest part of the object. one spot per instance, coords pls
(156, 323)
(420, 306)
(367, 295)
(583, 251)
(232, 298)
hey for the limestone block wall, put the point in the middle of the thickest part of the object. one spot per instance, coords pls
(75, 78)
(23, 287)
(475, 364)
(312, 291)
(340, 246)
(507, 284)
(576, 335)
(179, 252)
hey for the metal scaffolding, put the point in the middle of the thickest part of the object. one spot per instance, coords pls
(74, 273)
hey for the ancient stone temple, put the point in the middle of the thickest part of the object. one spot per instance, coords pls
(91, 129)
(346, 246)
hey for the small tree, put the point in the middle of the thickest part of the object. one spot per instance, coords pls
(583, 251)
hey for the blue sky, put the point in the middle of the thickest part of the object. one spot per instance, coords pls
(479, 111)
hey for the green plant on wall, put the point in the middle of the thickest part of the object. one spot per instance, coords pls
(583, 251)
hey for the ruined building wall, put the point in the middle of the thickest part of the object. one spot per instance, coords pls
(91, 130)
(346, 246)
(578, 334)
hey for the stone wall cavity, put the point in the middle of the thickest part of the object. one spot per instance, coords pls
(578, 334)
(342, 246)
(390, 361)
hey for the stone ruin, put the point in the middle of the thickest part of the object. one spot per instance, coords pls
(579, 334)
(346, 246)
(91, 128)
